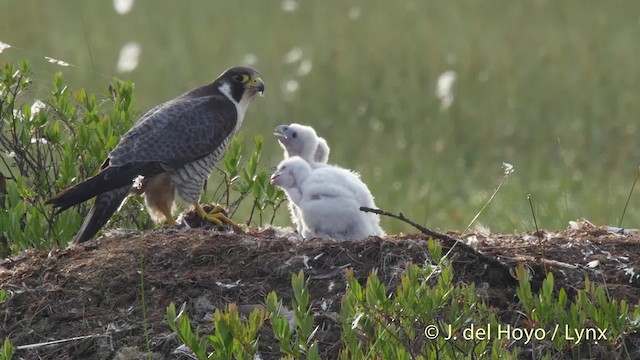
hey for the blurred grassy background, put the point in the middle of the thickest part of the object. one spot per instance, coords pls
(551, 87)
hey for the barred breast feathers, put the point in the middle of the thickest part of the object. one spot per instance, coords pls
(190, 178)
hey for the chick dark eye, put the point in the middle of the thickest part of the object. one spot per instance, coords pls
(294, 135)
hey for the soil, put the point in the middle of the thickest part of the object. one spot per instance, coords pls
(92, 292)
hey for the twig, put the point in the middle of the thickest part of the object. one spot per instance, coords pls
(564, 177)
(451, 242)
(495, 192)
(538, 234)
(629, 197)
(55, 342)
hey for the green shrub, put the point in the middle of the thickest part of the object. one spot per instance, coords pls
(575, 326)
(245, 178)
(47, 145)
(233, 338)
(302, 345)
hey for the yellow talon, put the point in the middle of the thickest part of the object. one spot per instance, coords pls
(215, 215)
(170, 220)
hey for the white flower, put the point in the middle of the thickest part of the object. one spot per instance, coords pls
(305, 67)
(3, 46)
(294, 55)
(250, 59)
(123, 6)
(444, 88)
(38, 140)
(289, 5)
(289, 89)
(507, 168)
(354, 13)
(291, 86)
(17, 114)
(36, 107)
(128, 60)
(57, 62)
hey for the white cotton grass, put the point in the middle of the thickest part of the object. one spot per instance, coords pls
(444, 89)
(4, 46)
(290, 88)
(249, 59)
(123, 7)
(289, 5)
(293, 56)
(39, 140)
(57, 62)
(305, 67)
(507, 168)
(354, 13)
(129, 57)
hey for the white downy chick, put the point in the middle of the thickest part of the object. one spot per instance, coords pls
(325, 200)
(302, 140)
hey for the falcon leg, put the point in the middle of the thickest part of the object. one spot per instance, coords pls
(167, 213)
(215, 216)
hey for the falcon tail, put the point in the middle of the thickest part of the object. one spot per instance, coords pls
(105, 205)
(110, 178)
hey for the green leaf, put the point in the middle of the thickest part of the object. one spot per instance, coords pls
(6, 353)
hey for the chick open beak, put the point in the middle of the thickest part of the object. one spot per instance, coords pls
(281, 133)
(274, 178)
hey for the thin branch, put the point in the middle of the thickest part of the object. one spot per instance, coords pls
(495, 192)
(624, 211)
(451, 242)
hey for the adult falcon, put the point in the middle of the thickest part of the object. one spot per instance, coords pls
(174, 147)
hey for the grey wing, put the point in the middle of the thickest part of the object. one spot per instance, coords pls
(178, 132)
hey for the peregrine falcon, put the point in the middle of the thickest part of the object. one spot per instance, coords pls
(174, 147)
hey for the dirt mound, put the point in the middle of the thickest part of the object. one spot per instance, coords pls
(92, 292)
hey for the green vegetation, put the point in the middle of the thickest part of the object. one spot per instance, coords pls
(47, 145)
(428, 316)
(548, 86)
(6, 350)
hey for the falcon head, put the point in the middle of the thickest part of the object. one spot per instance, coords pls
(290, 173)
(240, 84)
(297, 140)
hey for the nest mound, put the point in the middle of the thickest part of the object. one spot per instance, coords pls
(94, 289)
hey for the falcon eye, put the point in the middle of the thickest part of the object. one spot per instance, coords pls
(294, 135)
(241, 78)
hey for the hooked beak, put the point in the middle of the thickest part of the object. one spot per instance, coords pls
(256, 85)
(274, 178)
(281, 133)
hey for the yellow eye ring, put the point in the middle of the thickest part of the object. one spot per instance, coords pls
(241, 78)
